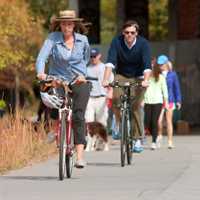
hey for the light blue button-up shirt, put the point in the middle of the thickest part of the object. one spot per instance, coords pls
(61, 60)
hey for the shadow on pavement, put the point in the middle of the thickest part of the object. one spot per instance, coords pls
(32, 178)
(102, 164)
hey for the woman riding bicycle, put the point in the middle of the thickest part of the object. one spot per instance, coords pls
(67, 54)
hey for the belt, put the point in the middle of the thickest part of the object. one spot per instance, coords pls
(98, 96)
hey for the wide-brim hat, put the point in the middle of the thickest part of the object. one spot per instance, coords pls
(68, 15)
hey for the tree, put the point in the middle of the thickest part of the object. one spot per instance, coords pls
(46, 9)
(21, 35)
(158, 18)
(108, 20)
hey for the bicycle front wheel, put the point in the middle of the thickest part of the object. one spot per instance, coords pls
(123, 129)
(129, 140)
(70, 152)
(62, 148)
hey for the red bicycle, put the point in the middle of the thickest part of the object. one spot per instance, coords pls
(65, 140)
(64, 135)
(55, 94)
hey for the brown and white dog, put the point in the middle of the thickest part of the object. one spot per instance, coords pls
(97, 137)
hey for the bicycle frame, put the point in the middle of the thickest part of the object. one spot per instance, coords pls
(68, 112)
(65, 140)
(125, 122)
(125, 100)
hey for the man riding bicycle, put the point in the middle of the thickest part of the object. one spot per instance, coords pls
(129, 56)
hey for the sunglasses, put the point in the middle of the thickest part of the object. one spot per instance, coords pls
(93, 56)
(131, 32)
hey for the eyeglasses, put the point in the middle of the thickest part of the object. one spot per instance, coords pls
(131, 32)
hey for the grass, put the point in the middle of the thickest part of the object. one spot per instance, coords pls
(20, 144)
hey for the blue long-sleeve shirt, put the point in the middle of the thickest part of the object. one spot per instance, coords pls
(129, 62)
(173, 87)
(61, 60)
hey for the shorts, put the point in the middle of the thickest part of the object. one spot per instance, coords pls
(172, 106)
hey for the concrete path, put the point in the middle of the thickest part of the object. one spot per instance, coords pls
(155, 175)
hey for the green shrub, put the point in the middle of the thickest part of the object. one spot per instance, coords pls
(2, 104)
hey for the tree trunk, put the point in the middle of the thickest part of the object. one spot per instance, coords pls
(120, 14)
(17, 91)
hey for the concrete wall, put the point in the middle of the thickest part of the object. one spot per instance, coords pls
(186, 58)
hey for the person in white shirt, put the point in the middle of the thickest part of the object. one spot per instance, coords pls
(97, 109)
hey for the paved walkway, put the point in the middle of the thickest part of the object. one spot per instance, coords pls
(155, 175)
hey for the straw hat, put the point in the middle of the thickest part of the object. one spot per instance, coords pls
(67, 15)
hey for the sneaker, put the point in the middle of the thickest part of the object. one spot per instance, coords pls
(137, 149)
(80, 164)
(170, 145)
(153, 146)
(116, 135)
(159, 141)
(51, 137)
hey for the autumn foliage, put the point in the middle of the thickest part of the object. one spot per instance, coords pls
(20, 144)
(21, 36)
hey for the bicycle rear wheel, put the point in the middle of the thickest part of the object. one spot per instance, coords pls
(70, 153)
(62, 147)
(129, 140)
(123, 129)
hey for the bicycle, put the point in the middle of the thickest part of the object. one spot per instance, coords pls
(125, 126)
(64, 133)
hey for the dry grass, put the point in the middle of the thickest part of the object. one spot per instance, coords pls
(20, 145)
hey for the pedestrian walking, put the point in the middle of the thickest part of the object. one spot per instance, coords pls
(174, 98)
(156, 94)
(97, 108)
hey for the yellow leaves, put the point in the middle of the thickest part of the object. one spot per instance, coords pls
(108, 20)
(17, 27)
(158, 18)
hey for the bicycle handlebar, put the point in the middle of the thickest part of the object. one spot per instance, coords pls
(90, 78)
(50, 79)
(117, 84)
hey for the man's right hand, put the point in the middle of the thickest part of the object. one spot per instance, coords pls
(42, 76)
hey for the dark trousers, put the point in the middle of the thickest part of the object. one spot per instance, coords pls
(80, 96)
(152, 112)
